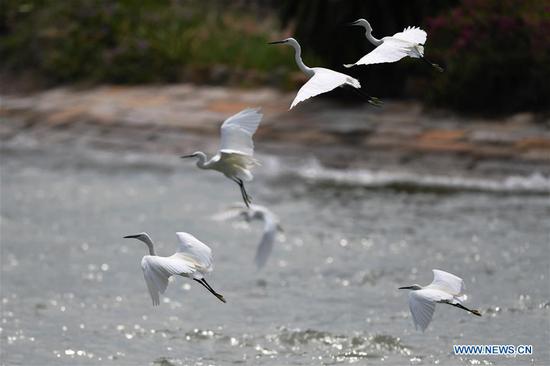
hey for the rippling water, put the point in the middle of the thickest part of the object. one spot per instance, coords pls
(73, 291)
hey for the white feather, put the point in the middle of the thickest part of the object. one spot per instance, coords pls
(237, 131)
(412, 35)
(447, 282)
(192, 259)
(157, 270)
(422, 305)
(195, 252)
(445, 288)
(324, 80)
(271, 226)
(394, 48)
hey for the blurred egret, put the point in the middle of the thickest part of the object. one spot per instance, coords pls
(235, 157)
(193, 259)
(393, 48)
(321, 80)
(446, 288)
(271, 227)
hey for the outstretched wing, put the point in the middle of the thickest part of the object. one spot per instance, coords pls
(268, 239)
(237, 131)
(412, 34)
(324, 80)
(195, 251)
(390, 51)
(447, 282)
(422, 309)
(157, 270)
(229, 214)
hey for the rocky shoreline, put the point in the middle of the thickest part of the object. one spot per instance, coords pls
(181, 118)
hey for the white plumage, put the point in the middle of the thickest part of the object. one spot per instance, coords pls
(193, 259)
(236, 132)
(445, 288)
(447, 282)
(235, 157)
(271, 227)
(321, 80)
(409, 42)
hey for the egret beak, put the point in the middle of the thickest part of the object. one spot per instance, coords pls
(352, 23)
(130, 236)
(405, 288)
(276, 42)
(187, 156)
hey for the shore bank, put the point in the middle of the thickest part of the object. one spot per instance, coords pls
(181, 118)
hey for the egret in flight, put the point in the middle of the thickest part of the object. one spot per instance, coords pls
(193, 259)
(390, 49)
(446, 288)
(235, 157)
(321, 80)
(271, 223)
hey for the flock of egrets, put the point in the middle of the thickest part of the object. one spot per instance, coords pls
(235, 159)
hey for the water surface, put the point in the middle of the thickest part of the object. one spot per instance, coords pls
(73, 291)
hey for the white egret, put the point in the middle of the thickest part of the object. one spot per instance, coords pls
(193, 259)
(321, 80)
(393, 48)
(271, 226)
(235, 156)
(446, 288)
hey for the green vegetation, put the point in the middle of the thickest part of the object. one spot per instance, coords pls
(136, 41)
(495, 52)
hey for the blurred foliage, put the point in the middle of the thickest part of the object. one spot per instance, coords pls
(321, 27)
(136, 41)
(497, 54)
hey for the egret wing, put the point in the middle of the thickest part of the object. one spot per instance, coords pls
(412, 34)
(422, 309)
(229, 214)
(157, 270)
(324, 80)
(237, 131)
(447, 282)
(195, 251)
(268, 239)
(390, 51)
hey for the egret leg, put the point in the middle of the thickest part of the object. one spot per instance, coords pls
(207, 286)
(246, 197)
(460, 306)
(436, 66)
(371, 100)
(241, 184)
(219, 296)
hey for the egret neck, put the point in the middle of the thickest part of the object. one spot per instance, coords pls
(146, 239)
(297, 55)
(370, 37)
(201, 159)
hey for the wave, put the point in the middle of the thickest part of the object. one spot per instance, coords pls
(313, 171)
